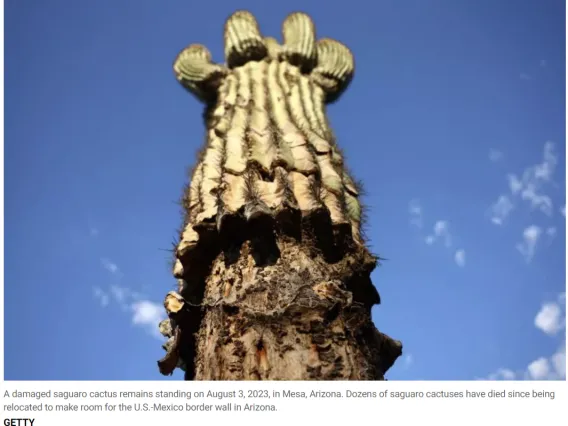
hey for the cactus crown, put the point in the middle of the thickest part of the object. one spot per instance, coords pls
(327, 62)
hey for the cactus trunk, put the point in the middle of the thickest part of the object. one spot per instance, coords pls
(272, 267)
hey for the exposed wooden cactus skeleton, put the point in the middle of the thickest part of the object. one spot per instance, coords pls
(272, 268)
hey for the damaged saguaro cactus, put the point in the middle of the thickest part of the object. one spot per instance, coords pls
(272, 267)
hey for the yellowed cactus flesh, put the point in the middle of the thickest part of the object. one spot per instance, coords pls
(299, 33)
(243, 41)
(235, 155)
(269, 117)
(269, 143)
(194, 70)
(189, 240)
(223, 113)
(302, 187)
(271, 193)
(273, 48)
(318, 94)
(335, 66)
(263, 150)
(173, 302)
(196, 178)
(233, 196)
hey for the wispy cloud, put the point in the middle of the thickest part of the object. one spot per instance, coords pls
(524, 76)
(110, 266)
(495, 155)
(543, 63)
(415, 212)
(551, 231)
(529, 187)
(92, 228)
(563, 210)
(441, 231)
(408, 360)
(459, 257)
(531, 184)
(528, 245)
(101, 296)
(143, 312)
(501, 209)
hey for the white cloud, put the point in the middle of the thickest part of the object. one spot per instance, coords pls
(529, 187)
(543, 63)
(537, 201)
(515, 185)
(148, 315)
(539, 369)
(502, 374)
(120, 294)
(531, 184)
(530, 239)
(551, 231)
(101, 296)
(408, 360)
(440, 228)
(144, 313)
(558, 361)
(553, 368)
(552, 316)
(549, 318)
(110, 266)
(524, 76)
(495, 155)
(415, 211)
(546, 169)
(563, 210)
(501, 209)
(542, 368)
(459, 257)
(441, 231)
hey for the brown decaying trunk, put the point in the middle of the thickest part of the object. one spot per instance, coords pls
(273, 272)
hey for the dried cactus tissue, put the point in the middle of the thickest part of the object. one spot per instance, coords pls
(272, 266)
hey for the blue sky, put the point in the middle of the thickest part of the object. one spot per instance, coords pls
(455, 120)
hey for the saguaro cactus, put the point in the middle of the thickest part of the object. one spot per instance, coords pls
(272, 268)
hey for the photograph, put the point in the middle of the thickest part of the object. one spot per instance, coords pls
(287, 191)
